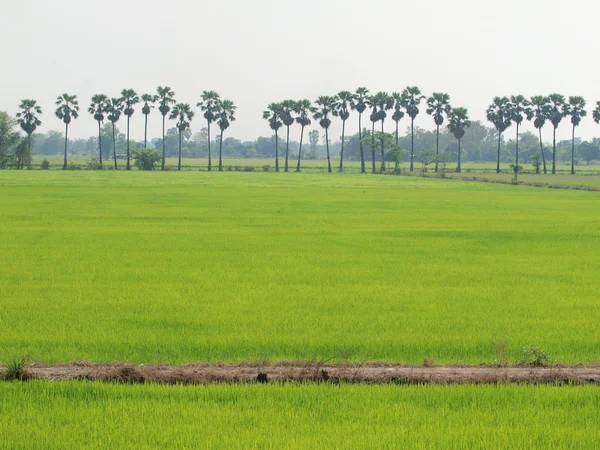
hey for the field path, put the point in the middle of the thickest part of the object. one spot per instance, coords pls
(313, 372)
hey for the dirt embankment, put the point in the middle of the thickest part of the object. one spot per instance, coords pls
(369, 373)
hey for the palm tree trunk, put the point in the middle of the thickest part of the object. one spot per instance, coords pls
(573, 152)
(209, 155)
(300, 149)
(287, 149)
(459, 168)
(554, 152)
(146, 131)
(498, 158)
(179, 163)
(412, 143)
(128, 157)
(29, 146)
(327, 146)
(517, 149)
(362, 153)
(221, 152)
(437, 148)
(542, 150)
(100, 143)
(276, 152)
(66, 144)
(373, 146)
(163, 144)
(115, 147)
(382, 150)
(342, 151)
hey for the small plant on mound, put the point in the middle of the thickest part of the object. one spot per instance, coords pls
(534, 356)
(516, 168)
(146, 158)
(266, 167)
(45, 165)
(16, 370)
(94, 164)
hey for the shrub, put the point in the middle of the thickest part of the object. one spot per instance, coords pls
(266, 167)
(229, 168)
(45, 165)
(146, 158)
(73, 166)
(248, 169)
(94, 164)
(169, 168)
(16, 370)
(534, 356)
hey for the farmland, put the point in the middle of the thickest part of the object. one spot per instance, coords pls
(195, 266)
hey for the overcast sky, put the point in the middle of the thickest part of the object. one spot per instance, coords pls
(258, 51)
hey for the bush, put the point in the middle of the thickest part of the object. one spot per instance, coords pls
(16, 370)
(249, 169)
(45, 165)
(169, 168)
(146, 158)
(73, 166)
(534, 356)
(94, 164)
(266, 167)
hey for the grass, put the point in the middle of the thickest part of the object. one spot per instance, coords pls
(43, 414)
(179, 267)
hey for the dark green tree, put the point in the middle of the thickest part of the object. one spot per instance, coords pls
(303, 110)
(499, 114)
(98, 109)
(557, 110)
(165, 97)
(438, 106)
(538, 112)
(576, 109)
(28, 119)
(458, 122)
(208, 105)
(149, 101)
(273, 116)
(114, 109)
(225, 114)
(182, 112)
(360, 103)
(287, 117)
(373, 117)
(411, 99)
(129, 98)
(343, 103)
(384, 102)
(519, 108)
(67, 110)
(325, 107)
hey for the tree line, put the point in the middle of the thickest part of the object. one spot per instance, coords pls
(502, 113)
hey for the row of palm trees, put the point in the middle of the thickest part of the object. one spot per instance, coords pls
(102, 107)
(554, 108)
(407, 102)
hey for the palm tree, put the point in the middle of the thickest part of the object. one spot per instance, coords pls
(575, 109)
(303, 109)
(225, 115)
(326, 107)
(273, 115)
(183, 113)
(398, 113)
(384, 102)
(499, 114)
(438, 106)
(97, 109)
(68, 109)
(359, 103)
(596, 113)
(519, 109)
(458, 122)
(557, 110)
(373, 117)
(208, 105)
(29, 121)
(165, 97)
(287, 109)
(341, 109)
(539, 113)
(130, 99)
(411, 99)
(148, 100)
(114, 109)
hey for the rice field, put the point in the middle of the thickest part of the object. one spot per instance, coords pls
(180, 267)
(43, 414)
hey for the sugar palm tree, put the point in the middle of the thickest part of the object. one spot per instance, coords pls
(398, 114)
(384, 103)
(130, 99)
(165, 97)
(575, 109)
(539, 113)
(287, 117)
(438, 107)
(326, 105)
(359, 103)
(557, 110)
(458, 122)
(303, 110)
(596, 113)
(148, 100)
(68, 109)
(208, 105)
(114, 109)
(29, 121)
(182, 112)
(519, 109)
(411, 99)
(97, 109)
(225, 114)
(273, 116)
(341, 109)
(373, 117)
(499, 114)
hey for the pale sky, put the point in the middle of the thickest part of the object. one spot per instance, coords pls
(259, 51)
